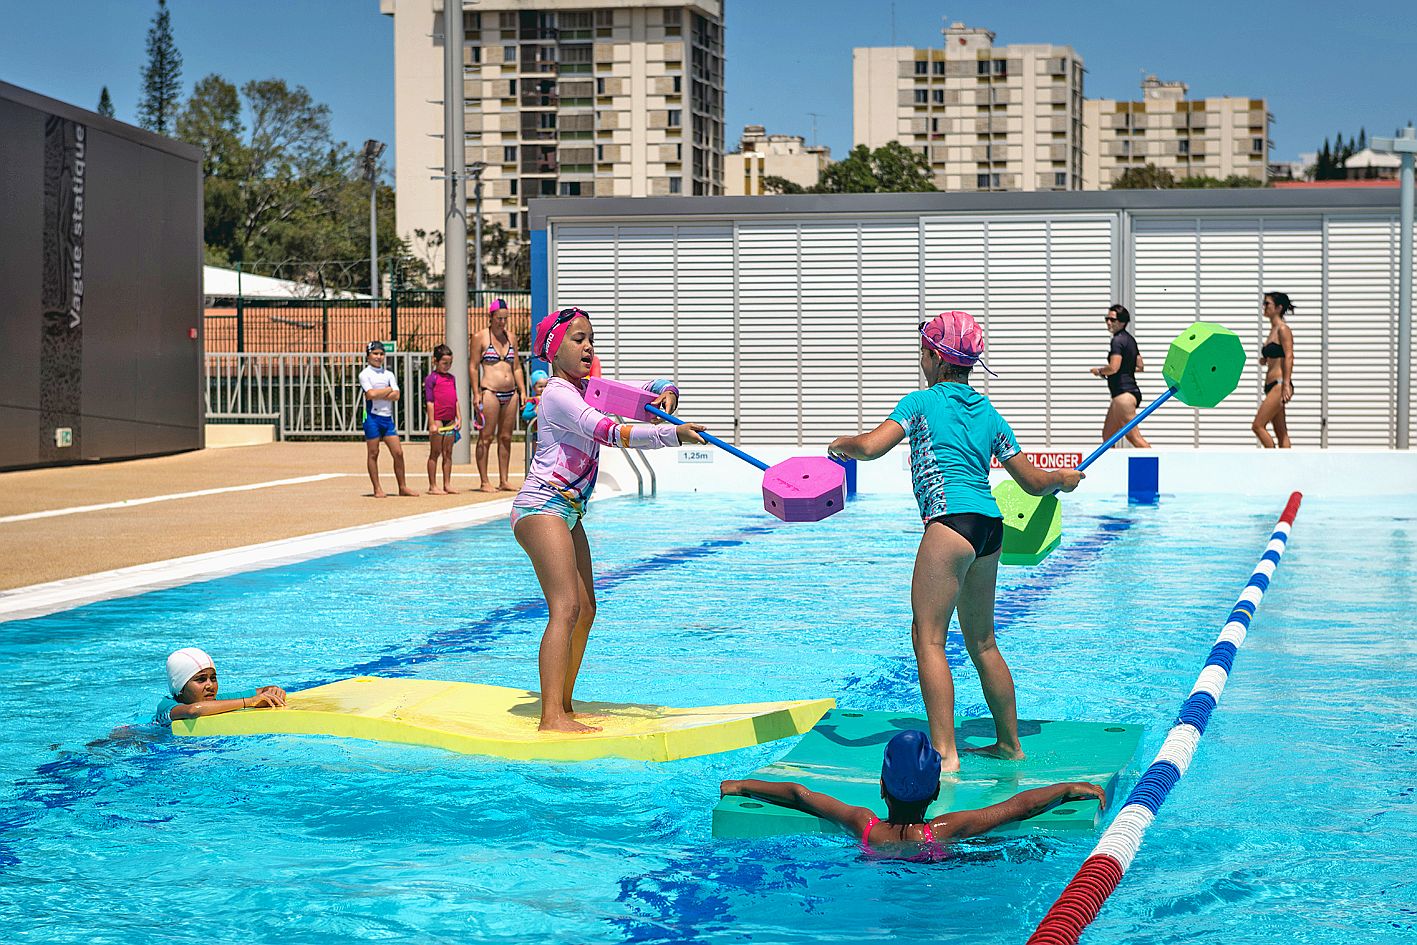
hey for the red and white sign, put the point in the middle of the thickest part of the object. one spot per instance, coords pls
(1048, 460)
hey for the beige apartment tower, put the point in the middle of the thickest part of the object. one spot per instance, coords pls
(761, 155)
(1210, 137)
(572, 98)
(985, 117)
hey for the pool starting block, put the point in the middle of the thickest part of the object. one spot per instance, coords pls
(841, 756)
(491, 720)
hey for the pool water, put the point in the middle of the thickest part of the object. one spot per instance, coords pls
(1295, 824)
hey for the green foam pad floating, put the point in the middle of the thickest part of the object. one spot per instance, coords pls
(841, 756)
(1204, 364)
(1033, 524)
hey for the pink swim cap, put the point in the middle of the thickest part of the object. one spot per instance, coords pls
(551, 331)
(496, 306)
(955, 337)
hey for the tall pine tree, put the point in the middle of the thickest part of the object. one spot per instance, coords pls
(105, 104)
(162, 76)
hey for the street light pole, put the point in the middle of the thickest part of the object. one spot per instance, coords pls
(373, 150)
(455, 210)
(475, 170)
(1405, 145)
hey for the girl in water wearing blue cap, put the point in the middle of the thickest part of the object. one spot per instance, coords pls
(910, 783)
(954, 430)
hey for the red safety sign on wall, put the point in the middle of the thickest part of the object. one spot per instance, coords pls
(1048, 460)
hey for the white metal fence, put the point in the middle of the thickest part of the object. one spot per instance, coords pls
(793, 328)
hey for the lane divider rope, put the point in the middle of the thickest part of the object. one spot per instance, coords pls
(1082, 898)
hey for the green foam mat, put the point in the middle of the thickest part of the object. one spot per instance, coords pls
(841, 756)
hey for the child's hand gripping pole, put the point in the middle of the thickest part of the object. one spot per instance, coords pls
(1203, 367)
(801, 489)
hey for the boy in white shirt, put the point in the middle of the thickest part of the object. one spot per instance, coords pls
(381, 389)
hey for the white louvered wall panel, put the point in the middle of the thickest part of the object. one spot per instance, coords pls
(704, 346)
(768, 355)
(1165, 292)
(890, 311)
(1292, 258)
(828, 333)
(1080, 290)
(585, 277)
(643, 336)
(1017, 336)
(1362, 289)
(1229, 290)
(956, 257)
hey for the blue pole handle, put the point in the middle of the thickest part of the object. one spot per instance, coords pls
(1170, 391)
(710, 437)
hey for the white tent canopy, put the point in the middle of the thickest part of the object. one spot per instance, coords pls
(219, 283)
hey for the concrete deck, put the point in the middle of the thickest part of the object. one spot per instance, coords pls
(83, 542)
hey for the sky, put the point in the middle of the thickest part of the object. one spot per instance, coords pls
(1325, 68)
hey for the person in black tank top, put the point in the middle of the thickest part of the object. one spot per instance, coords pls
(1124, 361)
(1277, 358)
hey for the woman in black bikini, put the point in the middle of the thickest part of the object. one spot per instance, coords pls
(1277, 358)
(497, 391)
(1123, 363)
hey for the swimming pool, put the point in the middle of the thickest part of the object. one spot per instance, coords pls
(1295, 823)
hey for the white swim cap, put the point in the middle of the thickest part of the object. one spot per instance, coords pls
(184, 664)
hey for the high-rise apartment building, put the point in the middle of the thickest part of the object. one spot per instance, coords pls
(985, 117)
(1210, 137)
(761, 155)
(570, 98)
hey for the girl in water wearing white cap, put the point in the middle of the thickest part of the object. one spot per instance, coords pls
(954, 431)
(191, 677)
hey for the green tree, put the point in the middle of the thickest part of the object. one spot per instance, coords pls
(1146, 177)
(891, 168)
(162, 76)
(1214, 183)
(772, 184)
(105, 103)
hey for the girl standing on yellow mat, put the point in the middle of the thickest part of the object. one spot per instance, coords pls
(954, 431)
(547, 512)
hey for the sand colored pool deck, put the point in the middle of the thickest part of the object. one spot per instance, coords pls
(67, 545)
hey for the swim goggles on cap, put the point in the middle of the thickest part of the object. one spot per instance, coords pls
(562, 317)
(940, 347)
(373, 346)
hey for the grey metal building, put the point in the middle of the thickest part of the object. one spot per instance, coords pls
(100, 286)
(793, 319)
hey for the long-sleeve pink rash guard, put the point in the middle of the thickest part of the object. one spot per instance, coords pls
(569, 435)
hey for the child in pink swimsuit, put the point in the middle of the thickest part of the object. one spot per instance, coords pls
(910, 783)
(547, 512)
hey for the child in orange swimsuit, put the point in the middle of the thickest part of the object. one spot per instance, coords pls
(910, 783)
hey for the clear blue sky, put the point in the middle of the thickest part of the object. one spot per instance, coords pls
(1323, 67)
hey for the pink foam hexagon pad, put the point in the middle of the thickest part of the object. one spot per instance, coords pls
(619, 398)
(804, 489)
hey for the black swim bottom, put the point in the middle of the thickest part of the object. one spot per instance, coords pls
(984, 532)
(1270, 385)
(1136, 395)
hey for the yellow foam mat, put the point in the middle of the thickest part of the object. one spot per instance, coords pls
(492, 720)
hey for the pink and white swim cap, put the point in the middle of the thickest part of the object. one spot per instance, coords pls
(954, 336)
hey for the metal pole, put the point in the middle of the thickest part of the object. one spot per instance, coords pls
(455, 210)
(476, 170)
(1404, 302)
(240, 314)
(373, 239)
(1405, 144)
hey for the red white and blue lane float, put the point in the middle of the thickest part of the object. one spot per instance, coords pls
(1082, 899)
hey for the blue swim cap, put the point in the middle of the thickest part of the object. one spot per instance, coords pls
(911, 770)
(538, 376)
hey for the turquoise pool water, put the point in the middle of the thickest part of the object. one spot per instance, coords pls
(1295, 824)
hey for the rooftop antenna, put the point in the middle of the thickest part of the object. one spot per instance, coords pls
(814, 127)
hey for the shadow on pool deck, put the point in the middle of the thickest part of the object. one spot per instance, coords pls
(51, 548)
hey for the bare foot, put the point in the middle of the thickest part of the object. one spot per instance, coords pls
(437, 492)
(998, 751)
(381, 494)
(407, 492)
(487, 487)
(567, 725)
(449, 490)
(949, 765)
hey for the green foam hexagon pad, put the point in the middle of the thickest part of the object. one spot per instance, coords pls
(1204, 364)
(1033, 524)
